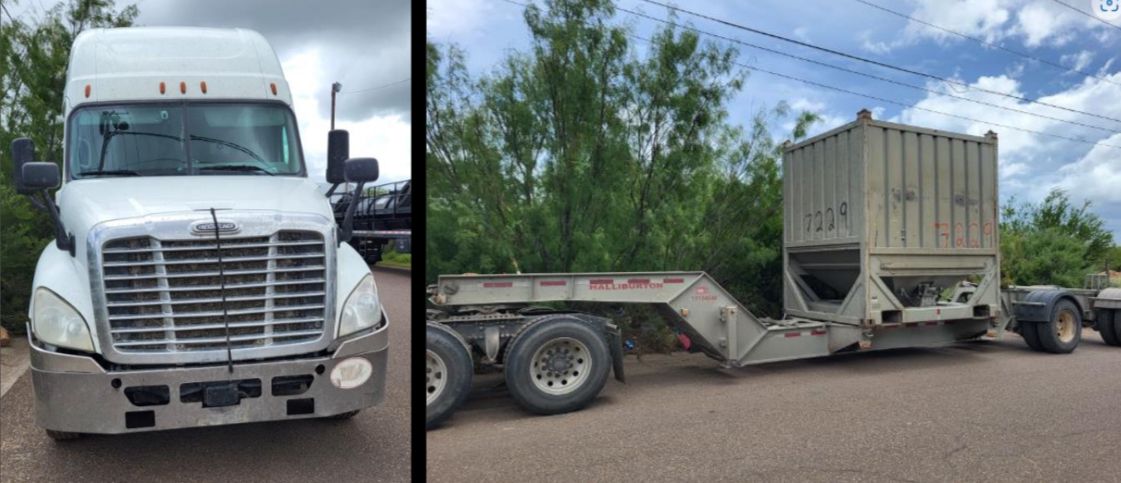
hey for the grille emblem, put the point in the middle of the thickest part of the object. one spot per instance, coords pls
(205, 228)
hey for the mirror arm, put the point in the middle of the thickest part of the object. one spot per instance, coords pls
(331, 191)
(347, 228)
(62, 240)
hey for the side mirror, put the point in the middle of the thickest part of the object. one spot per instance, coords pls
(361, 170)
(39, 175)
(23, 151)
(338, 150)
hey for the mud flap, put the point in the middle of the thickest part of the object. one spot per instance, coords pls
(615, 343)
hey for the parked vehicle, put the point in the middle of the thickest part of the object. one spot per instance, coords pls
(382, 215)
(890, 240)
(197, 277)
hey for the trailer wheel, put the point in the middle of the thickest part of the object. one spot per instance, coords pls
(1031, 337)
(447, 374)
(1062, 333)
(557, 365)
(1109, 325)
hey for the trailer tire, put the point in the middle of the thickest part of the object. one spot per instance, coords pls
(1061, 334)
(448, 373)
(1031, 337)
(556, 365)
(1109, 326)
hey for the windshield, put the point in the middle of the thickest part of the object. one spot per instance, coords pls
(183, 139)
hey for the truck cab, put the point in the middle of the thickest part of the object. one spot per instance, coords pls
(198, 277)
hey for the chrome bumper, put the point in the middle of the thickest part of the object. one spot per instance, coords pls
(75, 394)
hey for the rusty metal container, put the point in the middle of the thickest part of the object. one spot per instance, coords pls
(883, 219)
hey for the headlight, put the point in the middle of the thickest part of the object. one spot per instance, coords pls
(56, 322)
(361, 309)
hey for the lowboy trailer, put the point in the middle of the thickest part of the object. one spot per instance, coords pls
(890, 241)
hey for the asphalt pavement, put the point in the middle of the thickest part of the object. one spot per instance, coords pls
(372, 446)
(979, 411)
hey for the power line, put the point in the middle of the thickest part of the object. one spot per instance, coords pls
(873, 62)
(383, 86)
(909, 106)
(1079, 10)
(985, 42)
(888, 101)
(864, 74)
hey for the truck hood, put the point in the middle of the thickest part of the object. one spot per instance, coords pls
(85, 203)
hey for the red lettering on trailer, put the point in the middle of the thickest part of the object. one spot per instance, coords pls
(498, 284)
(632, 284)
(701, 294)
(674, 280)
(792, 334)
(553, 283)
(818, 332)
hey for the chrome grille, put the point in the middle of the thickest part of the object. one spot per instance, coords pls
(165, 295)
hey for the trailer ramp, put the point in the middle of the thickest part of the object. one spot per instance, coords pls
(693, 301)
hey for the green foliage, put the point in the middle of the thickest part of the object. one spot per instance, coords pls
(31, 84)
(588, 154)
(1053, 242)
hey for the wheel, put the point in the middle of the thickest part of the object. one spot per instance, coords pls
(447, 375)
(343, 416)
(1109, 326)
(62, 435)
(1062, 333)
(1028, 332)
(556, 365)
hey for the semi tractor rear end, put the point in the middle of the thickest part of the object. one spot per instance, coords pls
(891, 240)
(197, 277)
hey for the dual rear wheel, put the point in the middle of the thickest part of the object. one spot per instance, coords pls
(1060, 334)
(554, 364)
(1109, 326)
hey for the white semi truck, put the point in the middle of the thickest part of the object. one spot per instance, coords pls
(197, 276)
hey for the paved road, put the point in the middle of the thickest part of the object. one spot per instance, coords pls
(984, 411)
(373, 446)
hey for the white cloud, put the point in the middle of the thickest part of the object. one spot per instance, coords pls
(1036, 21)
(977, 18)
(1097, 175)
(456, 17)
(1077, 61)
(383, 137)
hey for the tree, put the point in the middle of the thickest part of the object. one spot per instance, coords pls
(585, 153)
(35, 58)
(1053, 242)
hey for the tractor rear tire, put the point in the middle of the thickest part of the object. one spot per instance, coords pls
(1031, 337)
(448, 373)
(1063, 332)
(1109, 326)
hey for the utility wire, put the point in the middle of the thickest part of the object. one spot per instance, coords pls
(1079, 10)
(864, 74)
(871, 61)
(986, 43)
(889, 101)
(383, 86)
(909, 106)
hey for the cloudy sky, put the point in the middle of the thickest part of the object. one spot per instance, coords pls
(1045, 29)
(363, 44)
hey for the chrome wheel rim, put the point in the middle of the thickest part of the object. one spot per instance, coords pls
(435, 376)
(560, 366)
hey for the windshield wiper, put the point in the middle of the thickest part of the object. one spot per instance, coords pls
(109, 172)
(230, 145)
(239, 167)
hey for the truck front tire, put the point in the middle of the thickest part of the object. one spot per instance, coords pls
(556, 365)
(448, 372)
(1061, 334)
(1109, 326)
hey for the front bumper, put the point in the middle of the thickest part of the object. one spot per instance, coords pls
(75, 394)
